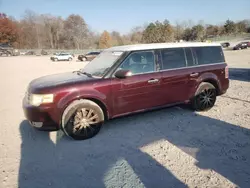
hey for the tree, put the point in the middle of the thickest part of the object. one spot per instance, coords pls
(158, 32)
(105, 40)
(178, 31)
(212, 30)
(198, 33)
(8, 30)
(148, 34)
(53, 29)
(136, 35)
(187, 34)
(229, 27)
(31, 30)
(116, 39)
(76, 31)
(241, 26)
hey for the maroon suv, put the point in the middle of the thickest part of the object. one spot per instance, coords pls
(124, 80)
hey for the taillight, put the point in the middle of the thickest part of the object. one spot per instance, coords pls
(226, 72)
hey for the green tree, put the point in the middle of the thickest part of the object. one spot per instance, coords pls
(229, 27)
(158, 32)
(198, 33)
(187, 34)
(105, 40)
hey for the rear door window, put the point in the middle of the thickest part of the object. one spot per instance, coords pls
(173, 58)
(209, 55)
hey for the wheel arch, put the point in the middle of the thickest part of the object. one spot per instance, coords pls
(211, 78)
(214, 83)
(95, 100)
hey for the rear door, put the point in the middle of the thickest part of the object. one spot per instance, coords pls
(141, 90)
(175, 76)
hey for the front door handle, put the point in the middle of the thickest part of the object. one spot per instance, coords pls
(151, 81)
(194, 74)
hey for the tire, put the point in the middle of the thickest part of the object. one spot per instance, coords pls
(76, 118)
(84, 59)
(205, 97)
(70, 59)
(55, 59)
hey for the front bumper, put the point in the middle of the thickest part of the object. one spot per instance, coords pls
(39, 117)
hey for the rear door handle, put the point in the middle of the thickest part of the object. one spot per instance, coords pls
(194, 74)
(151, 81)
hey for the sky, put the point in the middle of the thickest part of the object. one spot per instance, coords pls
(123, 15)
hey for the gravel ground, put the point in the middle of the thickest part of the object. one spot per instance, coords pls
(173, 147)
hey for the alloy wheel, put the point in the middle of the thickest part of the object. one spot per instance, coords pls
(84, 121)
(207, 98)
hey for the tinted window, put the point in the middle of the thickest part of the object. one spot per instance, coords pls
(209, 55)
(139, 62)
(173, 58)
(189, 56)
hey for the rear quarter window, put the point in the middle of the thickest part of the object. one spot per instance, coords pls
(209, 55)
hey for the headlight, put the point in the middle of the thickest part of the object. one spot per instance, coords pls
(37, 99)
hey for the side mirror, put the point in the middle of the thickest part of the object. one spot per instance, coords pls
(123, 74)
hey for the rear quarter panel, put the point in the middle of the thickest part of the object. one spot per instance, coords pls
(215, 73)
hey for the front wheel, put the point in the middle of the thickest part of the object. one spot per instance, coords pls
(82, 119)
(204, 98)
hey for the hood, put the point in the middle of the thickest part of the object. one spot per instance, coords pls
(58, 79)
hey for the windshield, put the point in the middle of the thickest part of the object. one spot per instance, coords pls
(102, 63)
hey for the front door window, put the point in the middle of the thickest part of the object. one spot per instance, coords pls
(139, 62)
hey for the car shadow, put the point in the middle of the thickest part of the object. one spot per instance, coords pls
(241, 74)
(114, 157)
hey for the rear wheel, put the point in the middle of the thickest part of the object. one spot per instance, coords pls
(82, 119)
(70, 59)
(204, 98)
(84, 59)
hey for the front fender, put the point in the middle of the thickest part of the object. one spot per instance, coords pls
(76, 95)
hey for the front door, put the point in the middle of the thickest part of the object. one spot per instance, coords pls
(139, 91)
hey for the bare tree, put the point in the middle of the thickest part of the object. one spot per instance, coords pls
(116, 38)
(53, 27)
(76, 31)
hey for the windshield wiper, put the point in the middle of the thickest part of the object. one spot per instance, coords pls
(79, 72)
(102, 72)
